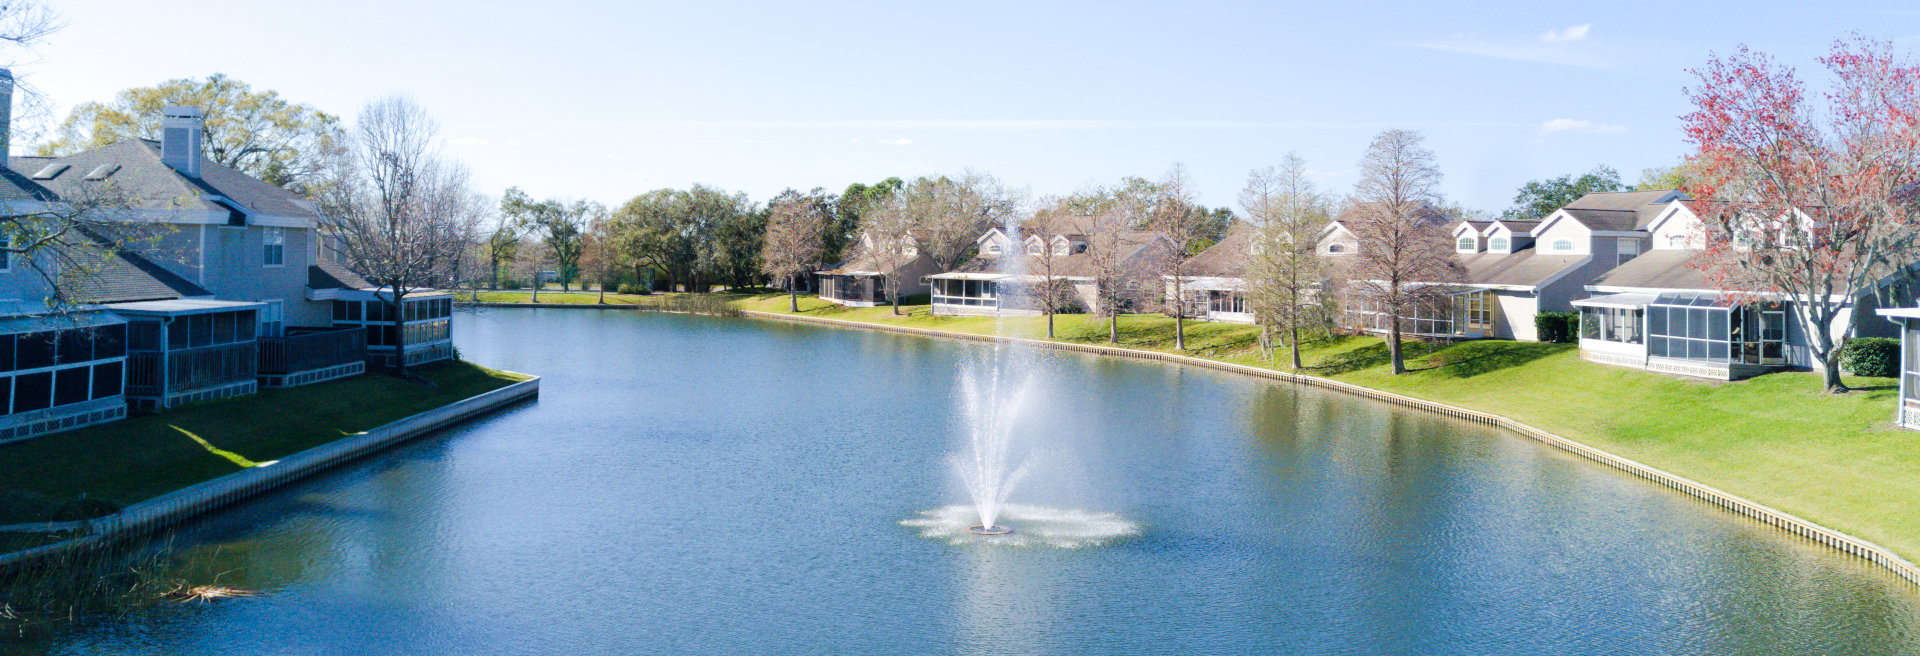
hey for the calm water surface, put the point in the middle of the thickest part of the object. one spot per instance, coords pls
(700, 485)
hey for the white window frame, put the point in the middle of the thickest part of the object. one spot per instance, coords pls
(1466, 244)
(1562, 245)
(273, 247)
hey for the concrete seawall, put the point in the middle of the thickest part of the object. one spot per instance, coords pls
(1842, 542)
(170, 509)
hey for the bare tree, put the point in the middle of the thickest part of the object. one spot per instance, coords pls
(1048, 261)
(1108, 248)
(403, 214)
(1171, 213)
(794, 241)
(887, 238)
(948, 214)
(1286, 212)
(1405, 260)
(503, 247)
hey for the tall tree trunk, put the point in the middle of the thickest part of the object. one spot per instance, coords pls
(493, 272)
(1294, 343)
(1393, 343)
(536, 285)
(1266, 340)
(894, 295)
(793, 293)
(1179, 330)
(1113, 328)
(1049, 324)
(603, 292)
(399, 332)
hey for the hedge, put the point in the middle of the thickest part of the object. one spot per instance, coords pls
(1557, 327)
(1872, 356)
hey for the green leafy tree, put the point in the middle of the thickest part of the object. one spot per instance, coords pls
(844, 229)
(1538, 198)
(1662, 177)
(561, 225)
(258, 132)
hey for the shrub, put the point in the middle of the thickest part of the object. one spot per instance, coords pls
(1872, 356)
(510, 284)
(1557, 327)
(630, 288)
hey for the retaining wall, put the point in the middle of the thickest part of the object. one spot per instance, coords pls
(186, 503)
(1848, 544)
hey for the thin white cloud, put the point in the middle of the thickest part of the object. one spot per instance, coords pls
(1540, 51)
(1574, 33)
(470, 141)
(1019, 125)
(903, 141)
(1579, 126)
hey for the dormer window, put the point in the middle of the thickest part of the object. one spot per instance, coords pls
(1497, 244)
(1336, 248)
(1562, 246)
(1062, 247)
(1676, 241)
(993, 248)
(1467, 245)
(1034, 247)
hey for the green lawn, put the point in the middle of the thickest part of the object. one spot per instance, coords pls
(1776, 439)
(144, 456)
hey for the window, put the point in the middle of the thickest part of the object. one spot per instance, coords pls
(275, 240)
(1562, 246)
(1034, 247)
(106, 380)
(1688, 332)
(72, 385)
(1061, 247)
(1218, 301)
(1676, 241)
(1336, 248)
(1497, 244)
(1466, 244)
(32, 391)
(1912, 351)
(273, 317)
(1629, 249)
(35, 351)
(6, 258)
(1610, 324)
(993, 249)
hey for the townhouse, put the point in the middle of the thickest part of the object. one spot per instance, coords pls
(196, 282)
(861, 280)
(1658, 311)
(1010, 270)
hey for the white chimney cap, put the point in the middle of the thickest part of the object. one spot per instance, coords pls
(181, 111)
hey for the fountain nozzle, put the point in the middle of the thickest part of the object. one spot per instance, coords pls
(982, 529)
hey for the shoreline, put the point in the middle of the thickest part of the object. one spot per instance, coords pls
(158, 513)
(1873, 553)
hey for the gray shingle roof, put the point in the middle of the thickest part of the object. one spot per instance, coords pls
(1071, 265)
(1527, 268)
(115, 275)
(154, 185)
(1656, 269)
(1227, 259)
(333, 275)
(1623, 200)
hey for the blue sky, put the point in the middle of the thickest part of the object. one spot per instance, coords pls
(606, 100)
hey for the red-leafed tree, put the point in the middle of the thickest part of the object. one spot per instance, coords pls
(1811, 197)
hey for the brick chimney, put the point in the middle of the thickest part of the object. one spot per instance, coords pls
(180, 134)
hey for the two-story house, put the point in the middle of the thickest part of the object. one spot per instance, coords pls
(1659, 312)
(1009, 272)
(861, 280)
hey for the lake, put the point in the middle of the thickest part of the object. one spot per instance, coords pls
(729, 486)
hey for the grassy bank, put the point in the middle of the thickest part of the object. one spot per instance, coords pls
(1776, 439)
(90, 471)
